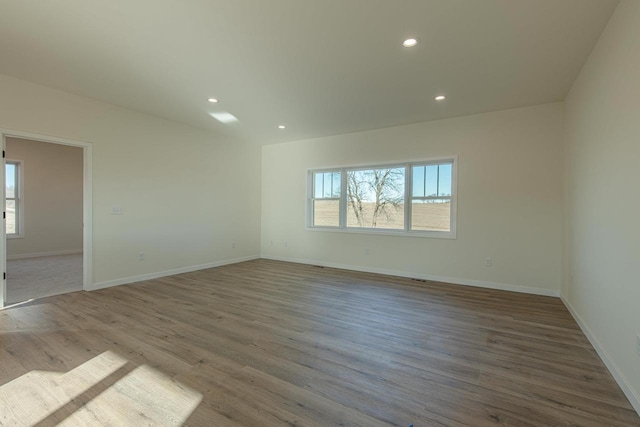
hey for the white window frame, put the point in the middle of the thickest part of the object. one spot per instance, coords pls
(312, 195)
(408, 197)
(19, 234)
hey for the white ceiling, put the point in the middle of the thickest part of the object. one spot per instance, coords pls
(322, 67)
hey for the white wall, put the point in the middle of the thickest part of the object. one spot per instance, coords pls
(187, 194)
(52, 198)
(603, 201)
(509, 200)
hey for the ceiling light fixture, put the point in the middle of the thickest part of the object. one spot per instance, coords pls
(224, 117)
(440, 98)
(282, 127)
(410, 42)
(213, 100)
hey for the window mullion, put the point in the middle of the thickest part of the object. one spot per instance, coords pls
(424, 175)
(343, 198)
(408, 193)
(311, 188)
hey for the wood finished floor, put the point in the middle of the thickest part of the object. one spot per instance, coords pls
(267, 343)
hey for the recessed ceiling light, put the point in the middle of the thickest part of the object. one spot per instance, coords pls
(213, 100)
(224, 117)
(282, 127)
(410, 42)
(440, 98)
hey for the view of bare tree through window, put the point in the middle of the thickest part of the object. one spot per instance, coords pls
(375, 198)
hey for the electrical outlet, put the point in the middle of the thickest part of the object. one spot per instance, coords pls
(488, 262)
(141, 256)
(117, 210)
(286, 244)
(272, 242)
(366, 251)
(233, 245)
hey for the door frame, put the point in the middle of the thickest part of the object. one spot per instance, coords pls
(87, 203)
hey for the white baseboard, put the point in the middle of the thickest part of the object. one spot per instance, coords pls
(149, 276)
(43, 254)
(628, 391)
(454, 280)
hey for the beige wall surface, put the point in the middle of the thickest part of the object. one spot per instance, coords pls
(602, 246)
(187, 194)
(52, 197)
(509, 200)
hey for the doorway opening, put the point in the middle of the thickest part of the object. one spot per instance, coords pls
(46, 233)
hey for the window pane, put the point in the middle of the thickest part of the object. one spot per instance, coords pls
(10, 180)
(326, 185)
(444, 187)
(326, 193)
(432, 181)
(10, 208)
(326, 213)
(431, 215)
(317, 185)
(418, 181)
(336, 185)
(375, 198)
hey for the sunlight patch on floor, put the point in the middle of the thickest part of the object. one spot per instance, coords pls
(143, 397)
(101, 391)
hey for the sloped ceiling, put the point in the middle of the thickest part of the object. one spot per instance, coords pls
(320, 67)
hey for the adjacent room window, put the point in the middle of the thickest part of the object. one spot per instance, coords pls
(415, 198)
(13, 199)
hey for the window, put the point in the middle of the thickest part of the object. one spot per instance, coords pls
(431, 197)
(13, 198)
(415, 198)
(326, 199)
(375, 198)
